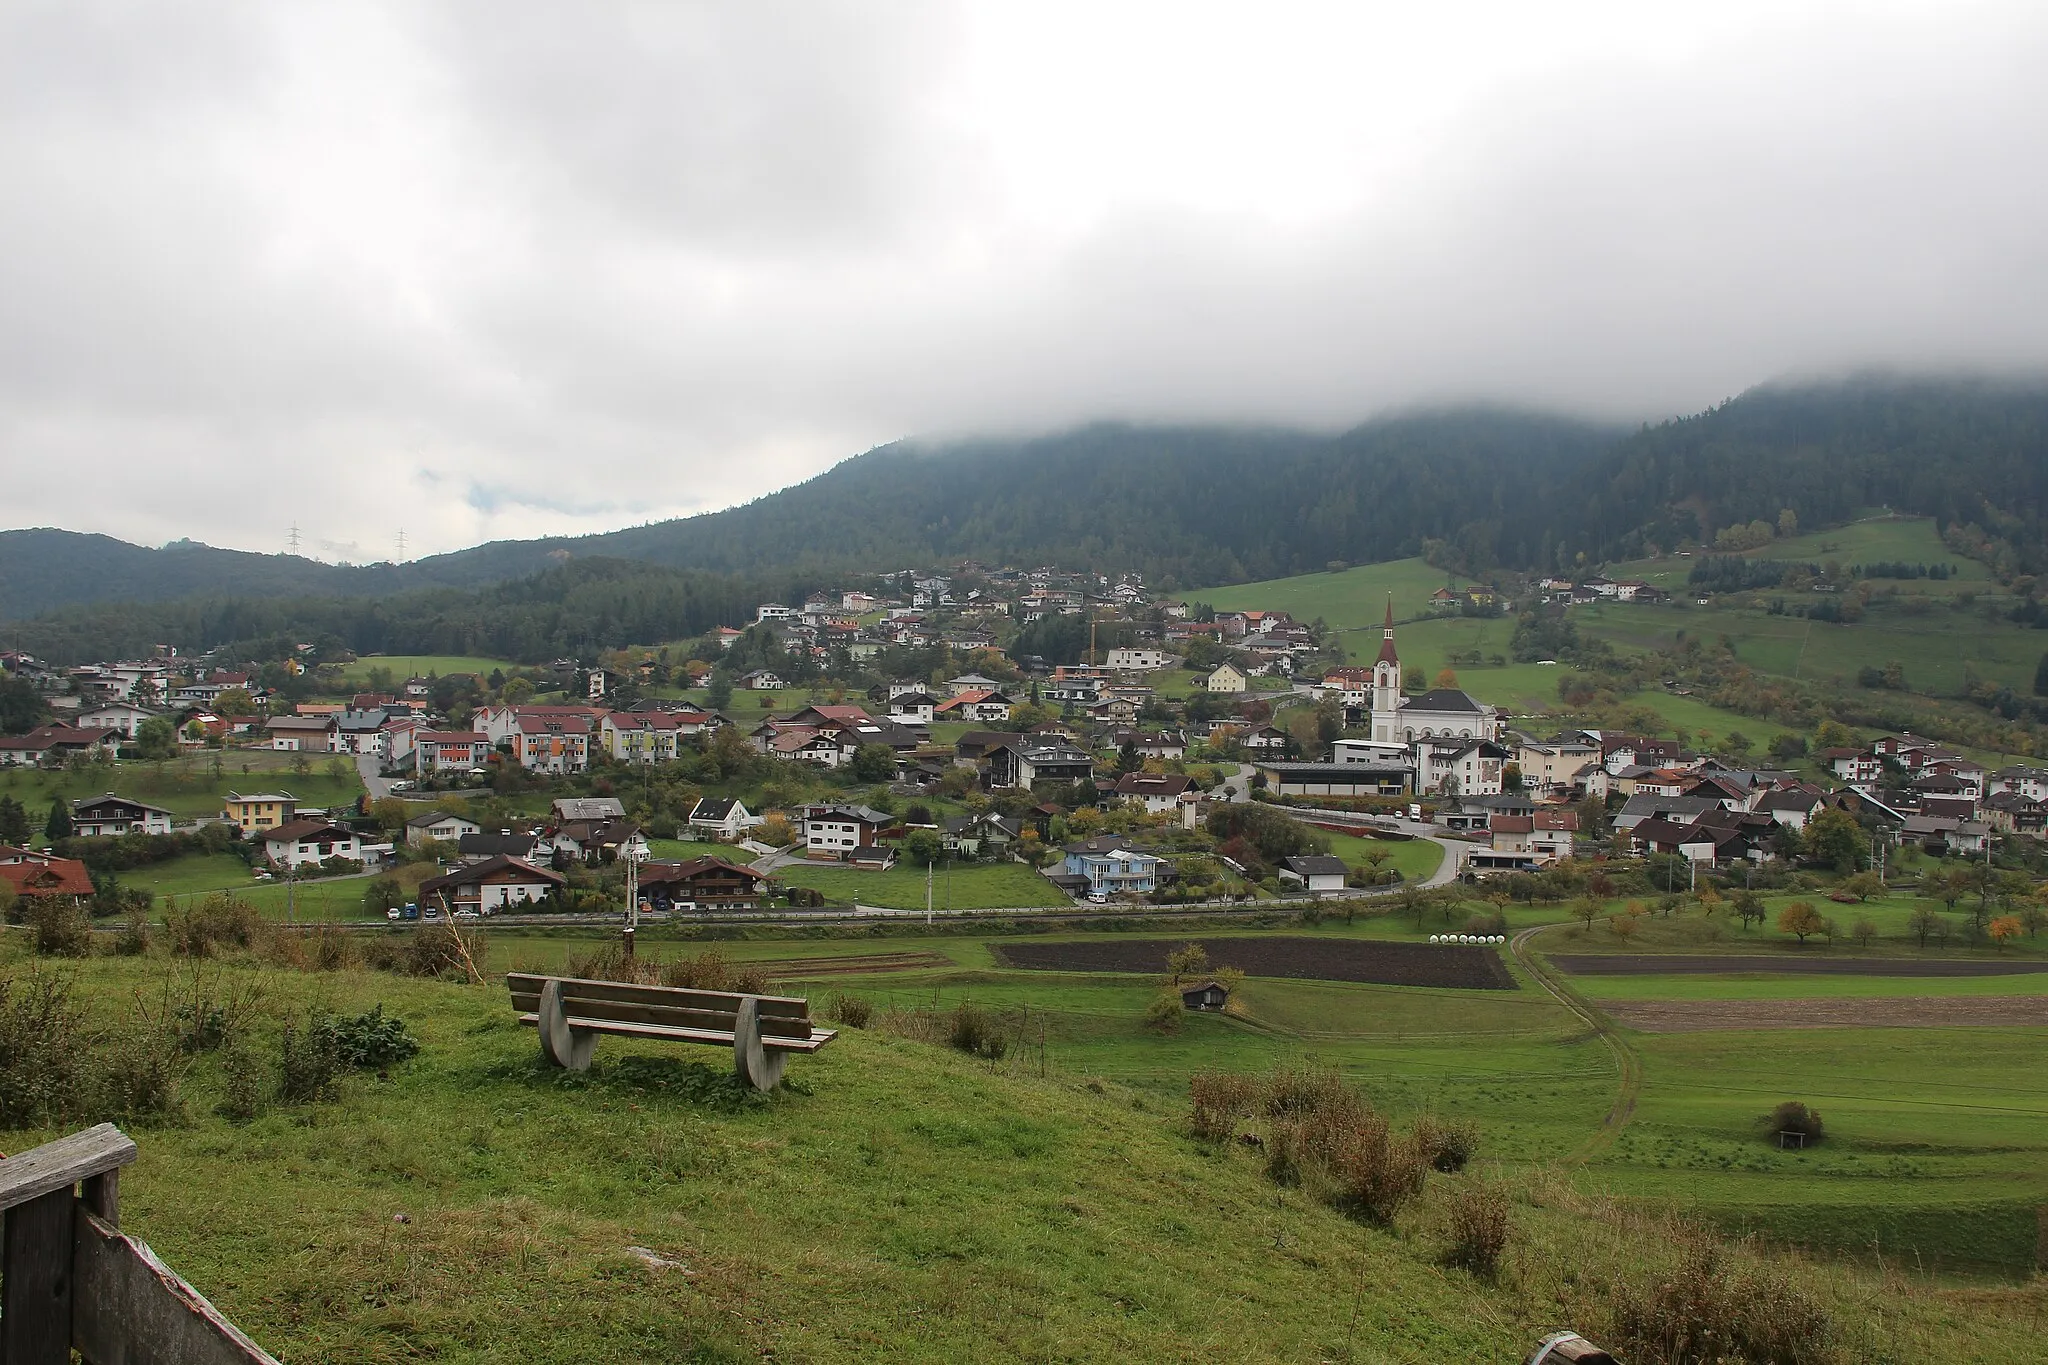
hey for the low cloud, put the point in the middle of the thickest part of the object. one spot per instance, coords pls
(501, 270)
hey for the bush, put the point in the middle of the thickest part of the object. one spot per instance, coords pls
(851, 1010)
(133, 940)
(1701, 1313)
(1166, 1012)
(45, 1046)
(58, 928)
(1494, 923)
(1446, 1146)
(1218, 1100)
(372, 1041)
(309, 1061)
(1480, 1224)
(245, 1083)
(1794, 1117)
(218, 921)
(977, 1032)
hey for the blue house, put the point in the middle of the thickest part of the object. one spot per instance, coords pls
(1107, 865)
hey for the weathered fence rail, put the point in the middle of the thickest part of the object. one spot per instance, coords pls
(70, 1279)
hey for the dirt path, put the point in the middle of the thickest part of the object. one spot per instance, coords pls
(1920, 1011)
(1696, 964)
(1628, 1066)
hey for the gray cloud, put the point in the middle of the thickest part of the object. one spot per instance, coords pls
(489, 270)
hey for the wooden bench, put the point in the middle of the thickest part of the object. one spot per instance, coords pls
(761, 1030)
(71, 1280)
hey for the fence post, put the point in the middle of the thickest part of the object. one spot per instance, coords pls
(35, 1295)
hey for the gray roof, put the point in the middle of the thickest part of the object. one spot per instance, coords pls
(1443, 699)
(1316, 865)
(1643, 805)
(589, 807)
(435, 817)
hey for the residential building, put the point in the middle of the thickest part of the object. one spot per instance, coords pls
(1316, 872)
(723, 817)
(499, 883)
(1158, 793)
(126, 717)
(640, 736)
(1136, 660)
(51, 745)
(1028, 761)
(1109, 866)
(1226, 677)
(439, 825)
(259, 811)
(310, 841)
(304, 734)
(100, 816)
(706, 882)
(48, 878)
(841, 831)
(449, 751)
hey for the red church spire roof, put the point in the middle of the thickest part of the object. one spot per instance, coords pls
(1387, 655)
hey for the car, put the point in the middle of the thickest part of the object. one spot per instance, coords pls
(394, 913)
(468, 912)
(260, 875)
(1097, 898)
(402, 785)
(412, 911)
(433, 912)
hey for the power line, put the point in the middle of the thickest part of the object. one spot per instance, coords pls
(293, 539)
(401, 545)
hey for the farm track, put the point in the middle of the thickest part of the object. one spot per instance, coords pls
(1708, 964)
(1940, 1011)
(805, 968)
(1292, 956)
(1628, 1064)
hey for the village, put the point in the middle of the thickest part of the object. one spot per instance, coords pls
(1103, 776)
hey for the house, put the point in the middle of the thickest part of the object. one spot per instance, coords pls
(640, 736)
(1944, 834)
(1158, 793)
(259, 811)
(1551, 768)
(49, 745)
(1138, 660)
(979, 706)
(1470, 767)
(973, 835)
(771, 611)
(126, 717)
(1792, 806)
(304, 734)
(1226, 677)
(545, 742)
(1108, 866)
(1317, 872)
(1028, 761)
(1203, 995)
(841, 831)
(310, 841)
(500, 883)
(1165, 744)
(725, 818)
(528, 847)
(96, 816)
(915, 708)
(2010, 812)
(600, 840)
(706, 882)
(760, 680)
(440, 826)
(1551, 833)
(1113, 711)
(47, 878)
(449, 751)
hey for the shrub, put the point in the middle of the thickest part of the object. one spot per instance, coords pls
(1218, 1099)
(373, 1040)
(133, 940)
(1480, 1224)
(1296, 1088)
(1446, 1146)
(245, 1083)
(45, 1074)
(142, 1068)
(1166, 1012)
(442, 950)
(1701, 1313)
(977, 1032)
(309, 1061)
(1794, 1117)
(851, 1010)
(1494, 923)
(58, 928)
(218, 921)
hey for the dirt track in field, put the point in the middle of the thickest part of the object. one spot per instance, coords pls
(804, 968)
(1919, 1011)
(1313, 959)
(1694, 964)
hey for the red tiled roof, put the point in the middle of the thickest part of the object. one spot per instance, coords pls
(57, 877)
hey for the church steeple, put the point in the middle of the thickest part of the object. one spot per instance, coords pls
(1387, 655)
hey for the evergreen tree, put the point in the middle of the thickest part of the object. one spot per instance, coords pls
(2041, 677)
(58, 826)
(13, 822)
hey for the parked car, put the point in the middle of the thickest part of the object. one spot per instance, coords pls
(412, 911)
(433, 912)
(468, 912)
(394, 913)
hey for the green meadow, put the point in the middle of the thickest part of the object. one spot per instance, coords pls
(186, 787)
(1347, 600)
(404, 666)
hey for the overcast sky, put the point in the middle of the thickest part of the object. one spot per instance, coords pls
(507, 269)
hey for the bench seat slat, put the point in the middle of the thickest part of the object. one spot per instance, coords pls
(816, 1039)
(633, 1013)
(523, 983)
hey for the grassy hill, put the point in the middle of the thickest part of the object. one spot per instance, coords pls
(900, 1200)
(1351, 599)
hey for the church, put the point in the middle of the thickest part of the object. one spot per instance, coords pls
(1441, 713)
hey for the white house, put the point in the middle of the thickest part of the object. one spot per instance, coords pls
(439, 825)
(125, 716)
(310, 841)
(95, 816)
(1137, 660)
(723, 817)
(1319, 873)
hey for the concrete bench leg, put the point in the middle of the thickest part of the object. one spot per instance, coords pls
(751, 1062)
(560, 1044)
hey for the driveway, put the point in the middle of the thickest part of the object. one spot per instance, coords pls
(378, 787)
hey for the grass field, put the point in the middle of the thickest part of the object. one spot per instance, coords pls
(188, 789)
(405, 666)
(899, 1201)
(1414, 859)
(1350, 599)
(976, 886)
(676, 850)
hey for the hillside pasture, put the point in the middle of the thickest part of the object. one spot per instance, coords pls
(404, 666)
(1346, 600)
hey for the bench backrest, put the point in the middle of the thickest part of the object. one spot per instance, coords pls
(782, 1016)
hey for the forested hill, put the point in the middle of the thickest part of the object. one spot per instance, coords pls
(1478, 489)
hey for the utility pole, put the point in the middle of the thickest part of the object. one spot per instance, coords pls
(927, 895)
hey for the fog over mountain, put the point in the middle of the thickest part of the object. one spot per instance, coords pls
(488, 271)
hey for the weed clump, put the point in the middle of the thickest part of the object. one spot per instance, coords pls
(313, 1053)
(1220, 1099)
(978, 1033)
(1794, 1117)
(45, 1046)
(1702, 1312)
(58, 928)
(852, 1010)
(1480, 1224)
(217, 922)
(1447, 1146)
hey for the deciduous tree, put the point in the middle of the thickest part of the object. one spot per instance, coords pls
(1801, 919)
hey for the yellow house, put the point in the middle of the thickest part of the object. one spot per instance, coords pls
(264, 810)
(1226, 678)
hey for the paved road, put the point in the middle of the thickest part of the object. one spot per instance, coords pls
(1238, 789)
(378, 787)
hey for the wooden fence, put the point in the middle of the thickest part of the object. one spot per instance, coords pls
(70, 1279)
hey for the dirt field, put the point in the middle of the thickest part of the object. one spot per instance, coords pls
(1314, 959)
(1958, 1011)
(1691, 964)
(805, 968)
